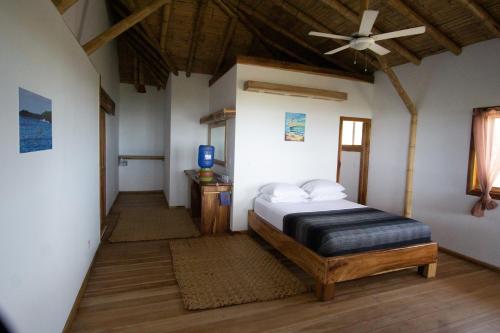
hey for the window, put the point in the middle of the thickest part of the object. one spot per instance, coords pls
(473, 187)
(352, 133)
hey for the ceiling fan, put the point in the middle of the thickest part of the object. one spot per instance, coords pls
(363, 39)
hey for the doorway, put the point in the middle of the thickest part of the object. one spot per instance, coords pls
(353, 157)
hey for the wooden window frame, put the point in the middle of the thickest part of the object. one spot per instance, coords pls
(473, 187)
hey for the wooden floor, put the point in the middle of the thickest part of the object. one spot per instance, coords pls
(132, 289)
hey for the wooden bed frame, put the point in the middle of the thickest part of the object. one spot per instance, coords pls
(329, 270)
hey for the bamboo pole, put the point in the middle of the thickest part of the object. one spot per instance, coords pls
(122, 26)
(231, 28)
(410, 161)
(201, 6)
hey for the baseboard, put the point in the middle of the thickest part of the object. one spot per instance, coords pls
(79, 296)
(469, 259)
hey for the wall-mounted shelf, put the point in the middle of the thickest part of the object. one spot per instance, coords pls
(221, 115)
(287, 90)
(140, 157)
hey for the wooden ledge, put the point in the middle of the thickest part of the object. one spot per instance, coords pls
(288, 90)
(217, 116)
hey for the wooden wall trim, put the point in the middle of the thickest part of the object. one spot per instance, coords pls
(288, 90)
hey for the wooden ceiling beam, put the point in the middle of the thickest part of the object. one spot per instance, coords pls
(317, 25)
(354, 19)
(431, 30)
(63, 5)
(482, 14)
(145, 32)
(165, 23)
(255, 31)
(270, 24)
(363, 5)
(231, 28)
(198, 22)
(122, 26)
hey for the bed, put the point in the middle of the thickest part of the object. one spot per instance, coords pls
(341, 240)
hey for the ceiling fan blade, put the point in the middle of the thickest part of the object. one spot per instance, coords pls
(400, 33)
(367, 22)
(338, 49)
(322, 34)
(380, 50)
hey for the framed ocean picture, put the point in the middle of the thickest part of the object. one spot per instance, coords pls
(35, 122)
(295, 126)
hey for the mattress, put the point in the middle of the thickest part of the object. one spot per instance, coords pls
(275, 212)
(333, 228)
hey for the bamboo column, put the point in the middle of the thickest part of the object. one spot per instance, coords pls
(410, 162)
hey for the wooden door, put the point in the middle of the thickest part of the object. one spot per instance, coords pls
(354, 144)
(102, 165)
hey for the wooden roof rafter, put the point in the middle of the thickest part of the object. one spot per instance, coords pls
(248, 24)
(482, 14)
(317, 25)
(270, 24)
(166, 18)
(63, 5)
(122, 26)
(353, 17)
(201, 6)
(145, 33)
(431, 30)
(228, 36)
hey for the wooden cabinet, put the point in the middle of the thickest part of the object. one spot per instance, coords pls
(207, 212)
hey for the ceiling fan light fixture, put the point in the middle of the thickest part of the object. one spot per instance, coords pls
(361, 43)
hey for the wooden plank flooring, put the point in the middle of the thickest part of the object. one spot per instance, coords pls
(132, 288)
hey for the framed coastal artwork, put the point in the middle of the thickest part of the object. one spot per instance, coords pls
(295, 126)
(35, 122)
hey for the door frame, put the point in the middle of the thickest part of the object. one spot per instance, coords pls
(363, 149)
(102, 166)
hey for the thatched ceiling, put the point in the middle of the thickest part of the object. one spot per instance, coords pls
(278, 29)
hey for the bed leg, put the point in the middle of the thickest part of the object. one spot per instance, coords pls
(325, 292)
(428, 271)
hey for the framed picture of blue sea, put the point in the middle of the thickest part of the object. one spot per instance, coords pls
(295, 126)
(35, 122)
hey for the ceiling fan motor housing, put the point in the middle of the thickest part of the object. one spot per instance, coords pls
(361, 43)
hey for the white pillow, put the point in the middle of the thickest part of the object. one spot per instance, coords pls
(329, 197)
(283, 189)
(282, 199)
(322, 186)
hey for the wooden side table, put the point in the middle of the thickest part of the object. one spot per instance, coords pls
(206, 210)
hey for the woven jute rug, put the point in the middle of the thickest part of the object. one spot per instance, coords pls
(217, 271)
(139, 224)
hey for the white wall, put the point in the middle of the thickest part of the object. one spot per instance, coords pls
(142, 133)
(49, 203)
(445, 88)
(223, 95)
(189, 102)
(86, 19)
(263, 156)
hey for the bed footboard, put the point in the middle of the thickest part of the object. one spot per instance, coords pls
(329, 270)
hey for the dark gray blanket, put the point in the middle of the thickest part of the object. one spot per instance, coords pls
(338, 232)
